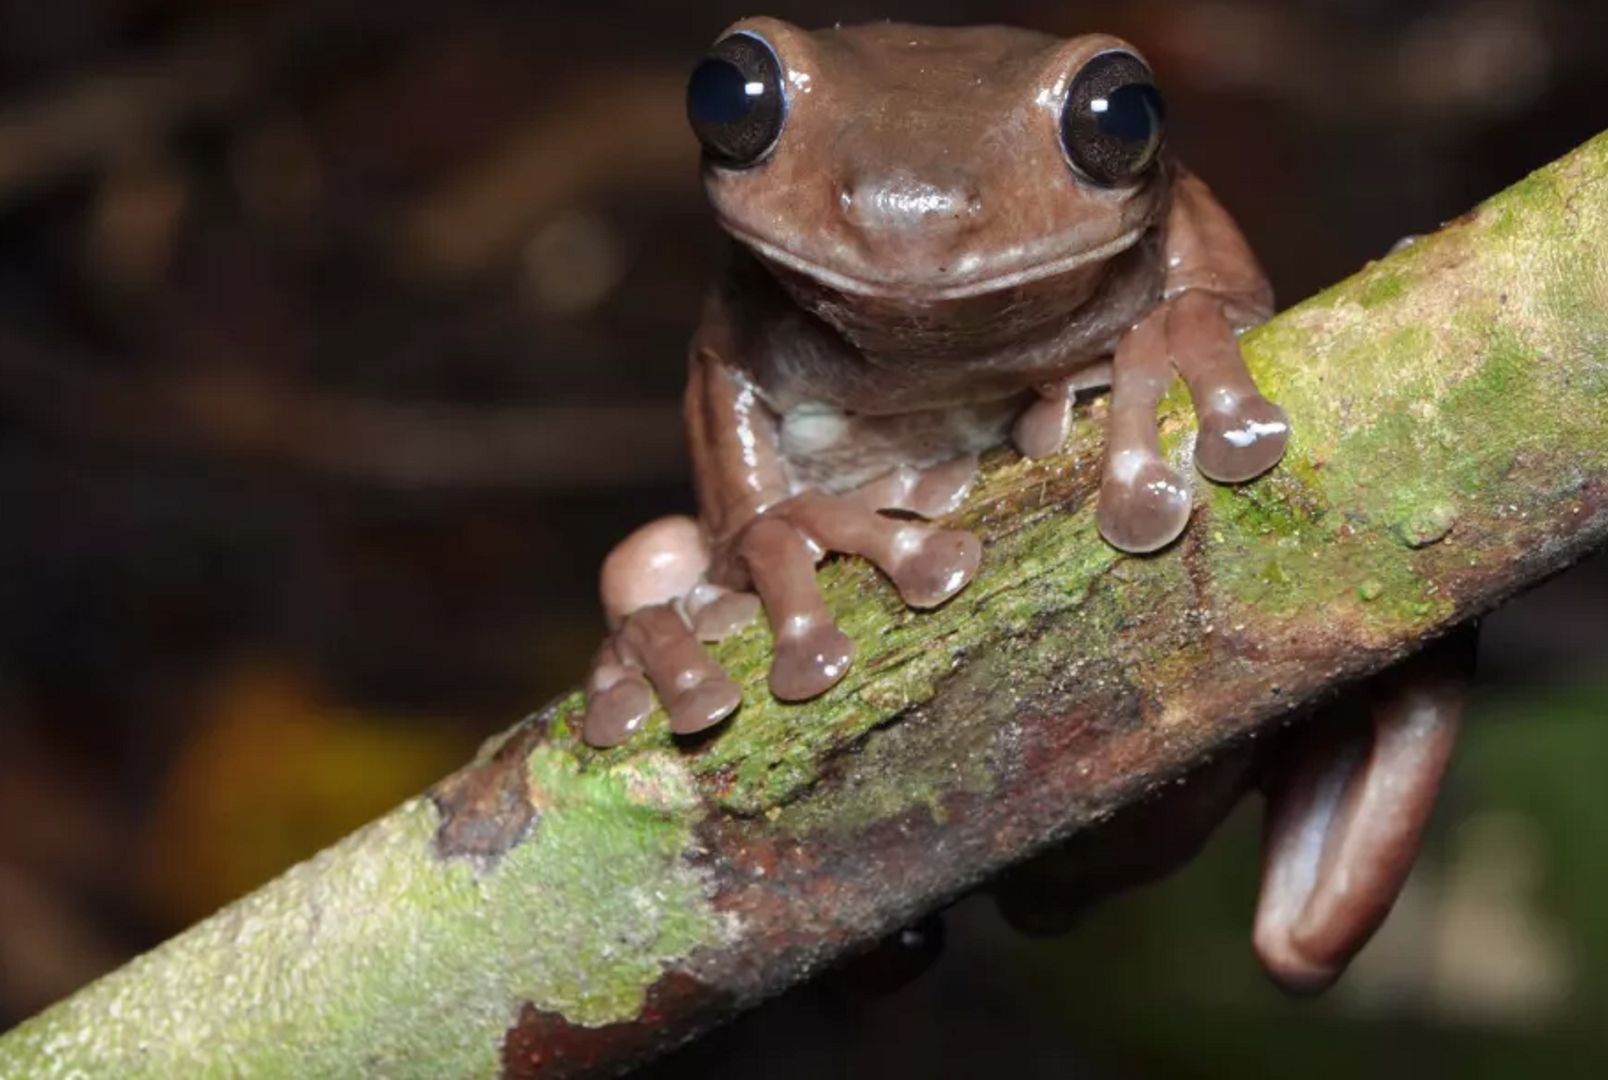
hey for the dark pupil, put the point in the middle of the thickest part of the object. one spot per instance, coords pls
(735, 101)
(1112, 122)
(718, 93)
(1130, 113)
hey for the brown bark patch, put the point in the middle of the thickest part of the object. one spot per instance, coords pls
(546, 1045)
(488, 807)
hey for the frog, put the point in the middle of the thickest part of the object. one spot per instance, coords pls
(936, 241)
(938, 238)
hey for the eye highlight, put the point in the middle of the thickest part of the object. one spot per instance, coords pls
(1113, 121)
(735, 101)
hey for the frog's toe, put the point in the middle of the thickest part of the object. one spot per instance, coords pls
(1144, 503)
(812, 654)
(810, 661)
(1043, 427)
(703, 705)
(931, 565)
(927, 493)
(925, 564)
(1245, 441)
(615, 714)
(718, 613)
(942, 488)
(655, 651)
(656, 598)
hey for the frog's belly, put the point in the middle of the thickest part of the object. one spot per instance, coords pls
(829, 448)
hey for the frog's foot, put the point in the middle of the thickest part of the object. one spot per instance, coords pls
(1144, 502)
(1345, 814)
(1044, 425)
(618, 699)
(652, 584)
(717, 613)
(781, 550)
(927, 565)
(655, 651)
(1242, 434)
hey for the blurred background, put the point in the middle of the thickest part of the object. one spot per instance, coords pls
(340, 338)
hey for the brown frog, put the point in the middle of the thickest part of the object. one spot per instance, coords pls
(939, 237)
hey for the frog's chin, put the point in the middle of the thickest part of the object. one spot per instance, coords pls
(933, 288)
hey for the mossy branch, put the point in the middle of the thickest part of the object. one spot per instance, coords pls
(551, 911)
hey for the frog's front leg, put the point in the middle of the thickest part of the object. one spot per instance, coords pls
(780, 550)
(1213, 289)
(659, 595)
(676, 582)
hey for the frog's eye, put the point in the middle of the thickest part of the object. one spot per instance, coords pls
(735, 101)
(1112, 122)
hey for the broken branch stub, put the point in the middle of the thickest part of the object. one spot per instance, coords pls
(555, 911)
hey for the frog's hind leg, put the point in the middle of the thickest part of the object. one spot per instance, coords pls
(1242, 434)
(648, 582)
(1345, 812)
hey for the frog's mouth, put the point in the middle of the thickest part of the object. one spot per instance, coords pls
(1021, 320)
(936, 291)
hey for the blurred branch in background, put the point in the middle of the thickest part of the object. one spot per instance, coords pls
(571, 151)
(88, 126)
(87, 123)
(231, 414)
(554, 911)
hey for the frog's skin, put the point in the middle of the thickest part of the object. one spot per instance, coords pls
(924, 264)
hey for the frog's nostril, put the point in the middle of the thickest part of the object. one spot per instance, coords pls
(908, 203)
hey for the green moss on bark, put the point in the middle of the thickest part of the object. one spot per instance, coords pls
(378, 958)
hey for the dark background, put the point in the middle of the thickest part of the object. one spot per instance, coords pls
(340, 338)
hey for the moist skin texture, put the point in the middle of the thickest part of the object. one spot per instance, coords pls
(917, 273)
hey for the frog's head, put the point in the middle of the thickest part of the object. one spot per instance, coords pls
(903, 166)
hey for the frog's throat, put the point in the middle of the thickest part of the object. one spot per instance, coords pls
(854, 286)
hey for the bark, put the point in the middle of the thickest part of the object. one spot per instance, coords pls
(553, 911)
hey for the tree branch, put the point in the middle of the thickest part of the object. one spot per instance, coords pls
(553, 911)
